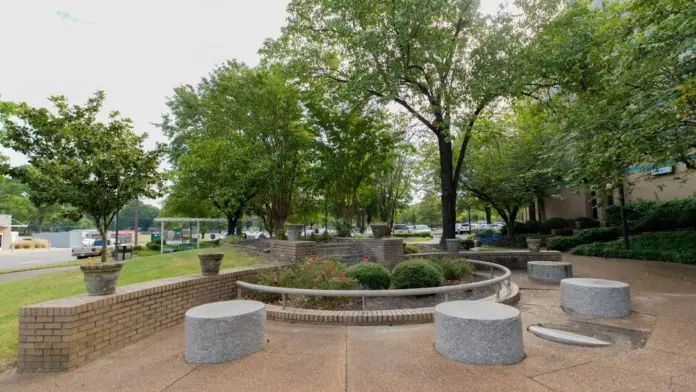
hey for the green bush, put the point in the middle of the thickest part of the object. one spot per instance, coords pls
(416, 273)
(413, 235)
(467, 244)
(553, 224)
(137, 247)
(648, 216)
(313, 273)
(153, 245)
(586, 223)
(343, 227)
(410, 249)
(280, 234)
(674, 247)
(529, 227)
(371, 276)
(598, 234)
(455, 269)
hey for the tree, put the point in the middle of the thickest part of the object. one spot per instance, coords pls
(506, 168)
(428, 210)
(146, 216)
(38, 191)
(253, 119)
(442, 62)
(95, 167)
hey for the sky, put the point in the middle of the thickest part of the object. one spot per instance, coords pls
(137, 51)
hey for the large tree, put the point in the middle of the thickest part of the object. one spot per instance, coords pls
(96, 167)
(440, 60)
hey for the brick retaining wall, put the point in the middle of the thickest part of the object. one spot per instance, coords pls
(60, 335)
(293, 251)
(512, 259)
(388, 251)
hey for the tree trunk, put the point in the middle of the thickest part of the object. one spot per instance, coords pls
(231, 223)
(624, 221)
(449, 190)
(487, 209)
(105, 248)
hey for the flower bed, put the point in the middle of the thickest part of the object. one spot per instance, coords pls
(327, 274)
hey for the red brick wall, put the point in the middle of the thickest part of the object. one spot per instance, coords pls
(61, 335)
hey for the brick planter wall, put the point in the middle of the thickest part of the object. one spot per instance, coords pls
(515, 260)
(293, 251)
(60, 335)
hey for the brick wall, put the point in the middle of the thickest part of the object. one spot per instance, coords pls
(512, 259)
(293, 251)
(388, 251)
(61, 335)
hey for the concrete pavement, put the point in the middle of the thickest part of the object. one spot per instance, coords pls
(654, 350)
(33, 258)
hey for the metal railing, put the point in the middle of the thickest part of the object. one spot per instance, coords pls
(285, 291)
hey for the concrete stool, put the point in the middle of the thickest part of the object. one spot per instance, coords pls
(549, 271)
(479, 332)
(225, 331)
(596, 297)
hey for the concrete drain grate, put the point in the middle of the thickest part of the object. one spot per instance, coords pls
(565, 337)
(589, 334)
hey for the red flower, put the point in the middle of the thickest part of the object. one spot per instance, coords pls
(365, 259)
(341, 275)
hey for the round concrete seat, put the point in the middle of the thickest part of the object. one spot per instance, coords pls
(549, 271)
(479, 332)
(225, 331)
(596, 297)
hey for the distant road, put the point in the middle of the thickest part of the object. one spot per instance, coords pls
(28, 259)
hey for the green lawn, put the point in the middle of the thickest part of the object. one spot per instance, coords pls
(47, 287)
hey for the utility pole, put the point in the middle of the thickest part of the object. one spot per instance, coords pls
(137, 225)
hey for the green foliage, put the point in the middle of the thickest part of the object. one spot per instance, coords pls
(96, 167)
(410, 249)
(154, 246)
(416, 273)
(467, 243)
(455, 269)
(371, 276)
(413, 235)
(675, 247)
(554, 223)
(586, 223)
(314, 273)
(646, 216)
(343, 227)
(588, 236)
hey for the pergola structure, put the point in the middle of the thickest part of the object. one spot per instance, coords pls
(198, 227)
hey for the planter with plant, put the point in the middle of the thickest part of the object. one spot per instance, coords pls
(380, 230)
(101, 278)
(293, 231)
(210, 263)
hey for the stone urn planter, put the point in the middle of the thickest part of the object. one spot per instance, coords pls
(210, 263)
(380, 230)
(453, 245)
(534, 244)
(293, 231)
(101, 278)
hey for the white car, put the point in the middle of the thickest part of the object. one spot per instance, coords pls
(462, 228)
(401, 229)
(422, 229)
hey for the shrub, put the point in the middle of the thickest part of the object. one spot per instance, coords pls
(410, 249)
(553, 224)
(529, 227)
(647, 216)
(675, 247)
(413, 235)
(455, 269)
(598, 234)
(137, 247)
(415, 273)
(586, 223)
(372, 276)
(467, 244)
(153, 246)
(280, 234)
(313, 273)
(343, 227)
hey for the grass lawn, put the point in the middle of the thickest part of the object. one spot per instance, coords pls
(16, 294)
(417, 239)
(493, 249)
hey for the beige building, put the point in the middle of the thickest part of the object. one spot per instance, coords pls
(664, 183)
(5, 232)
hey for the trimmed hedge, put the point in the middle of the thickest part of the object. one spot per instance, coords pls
(455, 269)
(416, 273)
(372, 276)
(675, 247)
(410, 249)
(588, 236)
(413, 235)
(650, 216)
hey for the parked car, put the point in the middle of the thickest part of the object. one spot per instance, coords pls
(401, 229)
(93, 250)
(462, 228)
(422, 229)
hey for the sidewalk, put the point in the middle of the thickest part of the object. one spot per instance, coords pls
(654, 350)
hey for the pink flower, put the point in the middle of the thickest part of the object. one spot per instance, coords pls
(365, 259)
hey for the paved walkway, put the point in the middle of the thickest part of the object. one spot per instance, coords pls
(28, 274)
(654, 350)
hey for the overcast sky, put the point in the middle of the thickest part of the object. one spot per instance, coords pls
(137, 51)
